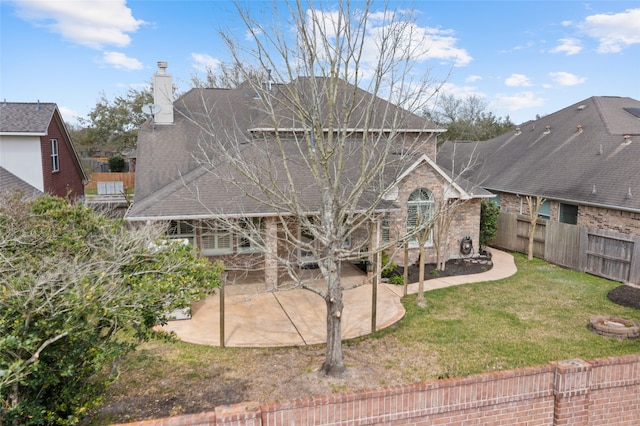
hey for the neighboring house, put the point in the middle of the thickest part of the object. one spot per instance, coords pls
(36, 148)
(584, 160)
(172, 186)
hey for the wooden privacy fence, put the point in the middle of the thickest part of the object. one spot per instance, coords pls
(603, 253)
(128, 179)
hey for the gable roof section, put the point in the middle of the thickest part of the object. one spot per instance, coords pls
(170, 183)
(462, 188)
(17, 118)
(577, 155)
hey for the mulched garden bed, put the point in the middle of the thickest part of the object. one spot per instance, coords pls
(453, 267)
(625, 295)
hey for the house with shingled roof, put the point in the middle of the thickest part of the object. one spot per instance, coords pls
(36, 151)
(183, 180)
(584, 160)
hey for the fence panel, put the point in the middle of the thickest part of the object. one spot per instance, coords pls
(603, 253)
(562, 244)
(128, 179)
(609, 254)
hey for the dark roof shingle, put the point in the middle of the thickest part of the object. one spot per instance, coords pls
(578, 154)
(16, 117)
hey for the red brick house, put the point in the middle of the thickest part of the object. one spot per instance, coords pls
(35, 147)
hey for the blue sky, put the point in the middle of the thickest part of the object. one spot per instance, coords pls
(521, 57)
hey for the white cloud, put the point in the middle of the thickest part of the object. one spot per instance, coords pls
(472, 79)
(569, 46)
(203, 62)
(517, 101)
(614, 31)
(424, 43)
(121, 61)
(566, 78)
(69, 115)
(89, 23)
(517, 80)
(252, 33)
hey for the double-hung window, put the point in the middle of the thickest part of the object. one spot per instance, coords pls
(181, 230)
(250, 235)
(215, 239)
(55, 159)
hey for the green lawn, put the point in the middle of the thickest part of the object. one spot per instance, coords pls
(537, 316)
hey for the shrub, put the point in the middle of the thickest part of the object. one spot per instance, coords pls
(388, 267)
(396, 279)
(116, 163)
(489, 212)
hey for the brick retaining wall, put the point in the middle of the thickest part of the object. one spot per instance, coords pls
(573, 392)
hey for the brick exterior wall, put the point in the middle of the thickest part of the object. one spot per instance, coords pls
(573, 392)
(68, 181)
(589, 216)
(466, 221)
(611, 220)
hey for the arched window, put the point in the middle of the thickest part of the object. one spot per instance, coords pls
(419, 213)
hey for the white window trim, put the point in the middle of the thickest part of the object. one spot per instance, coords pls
(211, 230)
(257, 226)
(184, 236)
(413, 242)
(55, 156)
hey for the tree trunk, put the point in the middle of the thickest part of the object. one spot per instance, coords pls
(532, 232)
(421, 300)
(405, 274)
(334, 364)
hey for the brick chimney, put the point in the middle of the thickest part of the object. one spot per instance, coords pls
(163, 94)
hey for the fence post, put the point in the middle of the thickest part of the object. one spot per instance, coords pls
(571, 385)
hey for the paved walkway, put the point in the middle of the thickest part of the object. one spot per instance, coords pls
(298, 317)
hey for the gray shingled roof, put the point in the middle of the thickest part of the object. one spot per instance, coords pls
(10, 183)
(17, 117)
(169, 181)
(578, 154)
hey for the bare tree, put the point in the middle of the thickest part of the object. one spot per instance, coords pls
(330, 142)
(534, 205)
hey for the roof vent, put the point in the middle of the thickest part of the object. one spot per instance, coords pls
(600, 151)
(579, 128)
(518, 130)
(628, 196)
(581, 107)
(627, 140)
(593, 190)
(547, 130)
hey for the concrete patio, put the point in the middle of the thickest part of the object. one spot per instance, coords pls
(255, 317)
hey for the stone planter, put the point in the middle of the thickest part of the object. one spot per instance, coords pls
(620, 328)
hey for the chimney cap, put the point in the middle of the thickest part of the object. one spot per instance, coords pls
(163, 66)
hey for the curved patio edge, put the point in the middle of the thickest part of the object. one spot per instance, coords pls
(298, 317)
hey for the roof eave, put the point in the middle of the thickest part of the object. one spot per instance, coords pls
(571, 201)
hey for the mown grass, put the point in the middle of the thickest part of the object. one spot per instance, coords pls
(537, 316)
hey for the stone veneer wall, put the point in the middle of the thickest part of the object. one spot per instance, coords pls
(573, 392)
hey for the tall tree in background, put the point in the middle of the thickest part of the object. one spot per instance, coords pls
(112, 125)
(348, 145)
(467, 119)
